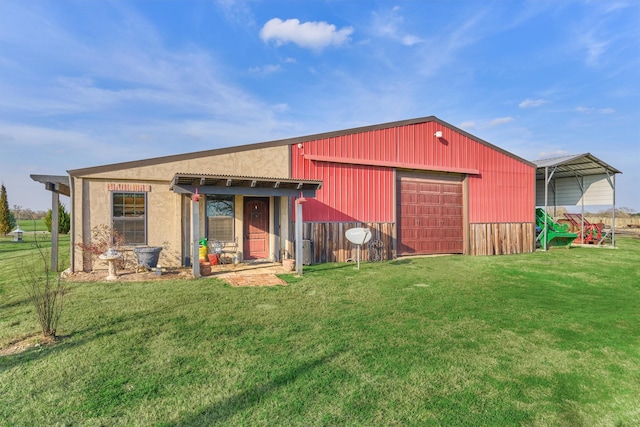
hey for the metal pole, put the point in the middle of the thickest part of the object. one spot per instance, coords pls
(298, 237)
(195, 233)
(546, 196)
(613, 215)
(582, 211)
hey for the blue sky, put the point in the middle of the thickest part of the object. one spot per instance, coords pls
(86, 83)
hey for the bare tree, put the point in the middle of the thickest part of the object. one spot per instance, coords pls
(46, 290)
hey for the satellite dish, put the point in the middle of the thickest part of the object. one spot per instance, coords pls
(358, 236)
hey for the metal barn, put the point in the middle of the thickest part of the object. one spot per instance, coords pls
(424, 187)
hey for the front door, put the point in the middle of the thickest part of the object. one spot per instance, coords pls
(256, 228)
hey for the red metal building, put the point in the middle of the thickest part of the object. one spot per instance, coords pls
(422, 185)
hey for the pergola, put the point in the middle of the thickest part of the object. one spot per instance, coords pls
(57, 184)
(576, 180)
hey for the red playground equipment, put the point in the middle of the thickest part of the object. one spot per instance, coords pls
(588, 232)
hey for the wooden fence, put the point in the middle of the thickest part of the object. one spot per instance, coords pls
(501, 239)
(330, 244)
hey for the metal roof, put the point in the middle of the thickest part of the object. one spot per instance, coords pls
(248, 185)
(281, 142)
(574, 165)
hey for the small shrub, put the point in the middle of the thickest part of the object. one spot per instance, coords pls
(46, 291)
(103, 237)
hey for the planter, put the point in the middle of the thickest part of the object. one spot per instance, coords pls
(213, 259)
(289, 264)
(205, 269)
(147, 256)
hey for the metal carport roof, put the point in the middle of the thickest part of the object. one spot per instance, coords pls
(574, 165)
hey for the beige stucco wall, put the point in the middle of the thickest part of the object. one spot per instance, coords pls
(263, 162)
(92, 198)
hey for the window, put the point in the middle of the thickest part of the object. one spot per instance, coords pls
(130, 217)
(220, 218)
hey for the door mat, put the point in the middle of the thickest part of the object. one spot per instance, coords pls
(254, 280)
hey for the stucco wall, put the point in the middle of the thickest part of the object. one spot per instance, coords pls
(264, 162)
(163, 217)
(92, 196)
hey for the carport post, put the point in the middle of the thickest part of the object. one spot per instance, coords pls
(546, 198)
(612, 182)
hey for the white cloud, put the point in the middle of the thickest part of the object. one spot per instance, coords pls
(589, 110)
(500, 121)
(237, 12)
(594, 48)
(265, 69)
(310, 35)
(410, 40)
(529, 103)
(552, 154)
(485, 124)
(391, 25)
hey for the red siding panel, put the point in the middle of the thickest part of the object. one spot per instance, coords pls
(501, 192)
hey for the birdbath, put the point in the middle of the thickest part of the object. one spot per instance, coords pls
(111, 256)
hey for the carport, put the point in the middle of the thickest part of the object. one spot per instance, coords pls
(576, 180)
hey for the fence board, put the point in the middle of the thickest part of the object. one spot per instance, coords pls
(501, 239)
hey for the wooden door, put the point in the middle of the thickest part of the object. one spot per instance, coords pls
(429, 215)
(256, 228)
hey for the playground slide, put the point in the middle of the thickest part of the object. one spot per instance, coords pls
(557, 234)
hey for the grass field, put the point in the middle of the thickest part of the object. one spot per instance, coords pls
(543, 339)
(30, 225)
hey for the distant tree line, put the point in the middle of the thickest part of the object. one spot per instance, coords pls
(620, 212)
(9, 217)
(26, 213)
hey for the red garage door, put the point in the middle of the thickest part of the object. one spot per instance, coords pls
(429, 210)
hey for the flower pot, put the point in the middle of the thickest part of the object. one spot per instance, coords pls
(213, 259)
(205, 269)
(147, 256)
(289, 264)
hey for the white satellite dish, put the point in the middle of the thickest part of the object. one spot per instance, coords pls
(358, 236)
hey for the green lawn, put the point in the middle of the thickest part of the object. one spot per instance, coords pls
(543, 339)
(31, 225)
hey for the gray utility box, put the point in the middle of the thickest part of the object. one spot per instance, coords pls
(307, 252)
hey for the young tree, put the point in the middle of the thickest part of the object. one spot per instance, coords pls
(5, 214)
(64, 219)
(46, 291)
